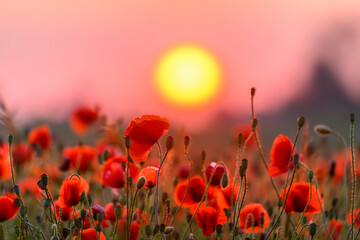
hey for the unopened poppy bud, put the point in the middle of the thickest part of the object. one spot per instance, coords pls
(301, 121)
(78, 223)
(82, 196)
(122, 200)
(17, 201)
(106, 155)
(162, 227)
(244, 164)
(23, 211)
(188, 218)
(100, 216)
(118, 211)
(130, 181)
(98, 227)
(252, 91)
(175, 181)
(311, 174)
(334, 202)
(54, 238)
(38, 219)
(203, 156)
(17, 230)
(224, 180)
(218, 229)
(240, 139)
(83, 214)
(148, 230)
(352, 117)
(10, 138)
(254, 123)
(156, 229)
(123, 165)
(262, 220)
(231, 225)
(47, 203)
(44, 180)
(322, 130)
(169, 142)
(90, 199)
(312, 229)
(140, 182)
(169, 230)
(296, 159)
(332, 169)
(135, 216)
(304, 220)
(164, 196)
(127, 142)
(41, 186)
(173, 210)
(16, 189)
(150, 185)
(186, 141)
(227, 212)
(280, 202)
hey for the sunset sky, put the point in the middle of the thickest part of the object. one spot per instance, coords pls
(55, 55)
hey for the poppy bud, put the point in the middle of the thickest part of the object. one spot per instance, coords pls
(65, 164)
(130, 181)
(16, 189)
(167, 202)
(150, 184)
(140, 182)
(334, 202)
(106, 155)
(162, 227)
(188, 218)
(312, 229)
(44, 180)
(90, 199)
(156, 229)
(47, 203)
(100, 216)
(301, 121)
(78, 223)
(23, 211)
(135, 216)
(227, 212)
(98, 227)
(218, 229)
(203, 156)
(252, 91)
(332, 169)
(231, 225)
(122, 200)
(127, 142)
(244, 163)
(224, 180)
(296, 159)
(322, 130)
(254, 123)
(41, 186)
(118, 211)
(169, 142)
(17, 230)
(280, 202)
(169, 230)
(240, 139)
(123, 165)
(175, 181)
(311, 175)
(83, 214)
(164, 196)
(54, 238)
(38, 219)
(82, 196)
(304, 220)
(10, 138)
(173, 210)
(148, 230)
(17, 201)
(262, 220)
(352, 117)
(186, 141)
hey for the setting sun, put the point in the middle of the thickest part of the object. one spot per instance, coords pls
(188, 76)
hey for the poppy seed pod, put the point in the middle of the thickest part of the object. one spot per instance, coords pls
(312, 229)
(169, 230)
(44, 180)
(304, 220)
(311, 175)
(352, 117)
(224, 180)
(10, 138)
(301, 121)
(83, 214)
(240, 139)
(186, 141)
(106, 155)
(47, 203)
(122, 200)
(16, 189)
(169, 142)
(118, 211)
(156, 229)
(218, 229)
(203, 156)
(296, 159)
(322, 130)
(244, 164)
(140, 182)
(254, 123)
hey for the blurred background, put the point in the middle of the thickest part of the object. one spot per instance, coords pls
(301, 56)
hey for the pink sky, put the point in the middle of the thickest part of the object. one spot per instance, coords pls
(58, 54)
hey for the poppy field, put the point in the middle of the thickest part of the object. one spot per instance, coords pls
(138, 181)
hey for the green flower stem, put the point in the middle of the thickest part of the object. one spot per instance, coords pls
(353, 185)
(237, 211)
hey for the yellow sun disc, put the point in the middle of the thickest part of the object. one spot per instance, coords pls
(188, 76)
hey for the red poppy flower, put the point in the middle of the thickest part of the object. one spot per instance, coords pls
(246, 130)
(66, 212)
(113, 174)
(134, 230)
(280, 156)
(219, 172)
(208, 217)
(110, 212)
(223, 196)
(90, 234)
(82, 118)
(150, 174)
(356, 212)
(71, 190)
(252, 213)
(299, 196)
(5, 168)
(335, 227)
(195, 192)
(184, 172)
(41, 136)
(80, 156)
(144, 132)
(21, 153)
(8, 208)
(29, 185)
